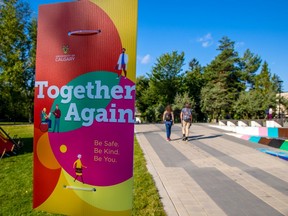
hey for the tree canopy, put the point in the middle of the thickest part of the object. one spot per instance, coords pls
(17, 60)
(231, 85)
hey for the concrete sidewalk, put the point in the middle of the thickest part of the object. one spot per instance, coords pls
(213, 174)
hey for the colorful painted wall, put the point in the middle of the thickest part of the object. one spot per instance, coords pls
(274, 137)
(273, 142)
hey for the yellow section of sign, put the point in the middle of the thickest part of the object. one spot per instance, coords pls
(124, 15)
(93, 200)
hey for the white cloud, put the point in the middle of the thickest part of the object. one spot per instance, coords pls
(205, 44)
(145, 60)
(239, 44)
(206, 40)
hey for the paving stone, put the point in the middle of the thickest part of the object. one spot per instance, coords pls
(214, 172)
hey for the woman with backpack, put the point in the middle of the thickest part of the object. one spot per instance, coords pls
(168, 118)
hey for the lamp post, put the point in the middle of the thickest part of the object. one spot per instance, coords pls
(279, 100)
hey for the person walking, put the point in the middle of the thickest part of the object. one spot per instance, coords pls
(186, 120)
(270, 113)
(168, 119)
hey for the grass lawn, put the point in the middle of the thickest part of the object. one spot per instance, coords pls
(16, 180)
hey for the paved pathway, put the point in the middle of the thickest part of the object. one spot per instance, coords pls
(213, 174)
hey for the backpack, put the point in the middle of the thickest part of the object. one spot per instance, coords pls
(168, 116)
(186, 114)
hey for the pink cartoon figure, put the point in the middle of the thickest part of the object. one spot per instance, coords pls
(78, 166)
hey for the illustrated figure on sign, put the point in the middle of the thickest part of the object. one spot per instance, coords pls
(45, 117)
(122, 63)
(57, 114)
(78, 166)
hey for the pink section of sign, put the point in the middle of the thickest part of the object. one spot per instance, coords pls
(263, 131)
(106, 148)
(104, 152)
(246, 137)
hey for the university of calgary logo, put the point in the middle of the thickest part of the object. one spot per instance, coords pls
(65, 49)
(66, 57)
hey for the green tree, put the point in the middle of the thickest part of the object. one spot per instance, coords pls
(227, 85)
(249, 65)
(266, 87)
(277, 87)
(148, 104)
(255, 102)
(224, 62)
(146, 101)
(15, 58)
(142, 85)
(165, 78)
(263, 82)
(223, 83)
(250, 105)
(193, 81)
(30, 69)
(215, 99)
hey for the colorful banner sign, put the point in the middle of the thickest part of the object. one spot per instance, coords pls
(84, 107)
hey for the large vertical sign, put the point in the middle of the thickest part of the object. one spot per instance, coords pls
(84, 107)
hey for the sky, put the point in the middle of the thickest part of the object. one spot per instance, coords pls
(195, 28)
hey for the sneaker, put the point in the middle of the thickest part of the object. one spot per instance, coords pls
(169, 139)
(184, 138)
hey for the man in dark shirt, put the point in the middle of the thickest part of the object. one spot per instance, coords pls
(57, 114)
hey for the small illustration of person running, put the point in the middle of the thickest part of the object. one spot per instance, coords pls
(78, 166)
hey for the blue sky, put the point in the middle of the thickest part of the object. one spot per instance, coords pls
(195, 27)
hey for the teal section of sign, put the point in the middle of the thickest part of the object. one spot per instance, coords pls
(273, 132)
(255, 139)
(77, 102)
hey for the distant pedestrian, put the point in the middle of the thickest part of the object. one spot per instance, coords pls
(168, 119)
(186, 120)
(270, 113)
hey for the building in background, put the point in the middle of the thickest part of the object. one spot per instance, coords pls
(281, 108)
